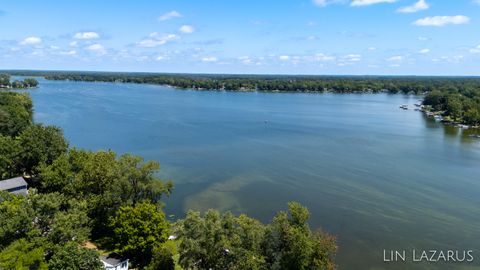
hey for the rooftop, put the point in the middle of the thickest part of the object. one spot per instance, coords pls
(113, 259)
(12, 183)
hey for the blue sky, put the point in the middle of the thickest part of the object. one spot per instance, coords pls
(384, 37)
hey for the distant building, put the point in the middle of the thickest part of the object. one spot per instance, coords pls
(15, 185)
(114, 261)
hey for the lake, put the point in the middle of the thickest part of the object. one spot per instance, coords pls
(376, 176)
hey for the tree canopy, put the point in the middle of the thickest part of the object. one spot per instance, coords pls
(223, 241)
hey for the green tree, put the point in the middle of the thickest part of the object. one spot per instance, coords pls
(22, 255)
(218, 241)
(16, 218)
(454, 107)
(15, 113)
(139, 230)
(40, 145)
(73, 257)
(138, 181)
(18, 84)
(290, 244)
(30, 82)
(58, 176)
(162, 258)
(71, 225)
(4, 80)
(472, 116)
(9, 151)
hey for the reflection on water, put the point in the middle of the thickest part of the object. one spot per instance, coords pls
(376, 176)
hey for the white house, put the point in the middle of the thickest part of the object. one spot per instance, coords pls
(114, 261)
(15, 185)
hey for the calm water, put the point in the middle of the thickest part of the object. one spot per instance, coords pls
(376, 176)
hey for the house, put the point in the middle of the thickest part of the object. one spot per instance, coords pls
(114, 261)
(15, 185)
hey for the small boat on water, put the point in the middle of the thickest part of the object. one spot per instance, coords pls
(438, 117)
(404, 106)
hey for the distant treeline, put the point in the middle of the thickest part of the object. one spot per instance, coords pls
(16, 84)
(456, 98)
(282, 83)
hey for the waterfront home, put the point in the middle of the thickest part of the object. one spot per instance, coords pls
(15, 185)
(114, 261)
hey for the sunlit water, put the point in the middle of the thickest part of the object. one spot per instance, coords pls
(376, 176)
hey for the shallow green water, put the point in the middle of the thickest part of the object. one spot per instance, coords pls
(376, 176)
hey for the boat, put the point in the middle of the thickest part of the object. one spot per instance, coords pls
(438, 117)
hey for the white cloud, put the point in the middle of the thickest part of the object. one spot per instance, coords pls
(323, 3)
(449, 59)
(476, 2)
(284, 57)
(31, 41)
(97, 48)
(187, 29)
(372, 48)
(72, 52)
(86, 35)
(424, 51)
(170, 15)
(395, 58)
(352, 57)
(475, 50)
(73, 43)
(209, 59)
(356, 3)
(442, 20)
(155, 39)
(420, 5)
(322, 57)
(245, 60)
(422, 38)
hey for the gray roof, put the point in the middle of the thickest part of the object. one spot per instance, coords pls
(113, 259)
(12, 183)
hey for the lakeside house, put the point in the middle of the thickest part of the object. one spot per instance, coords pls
(15, 185)
(114, 261)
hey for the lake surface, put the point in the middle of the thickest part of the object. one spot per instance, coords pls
(376, 176)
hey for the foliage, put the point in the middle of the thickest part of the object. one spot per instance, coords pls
(218, 241)
(290, 244)
(73, 257)
(16, 216)
(162, 258)
(15, 113)
(26, 83)
(40, 145)
(106, 181)
(460, 104)
(22, 255)
(138, 230)
(9, 152)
